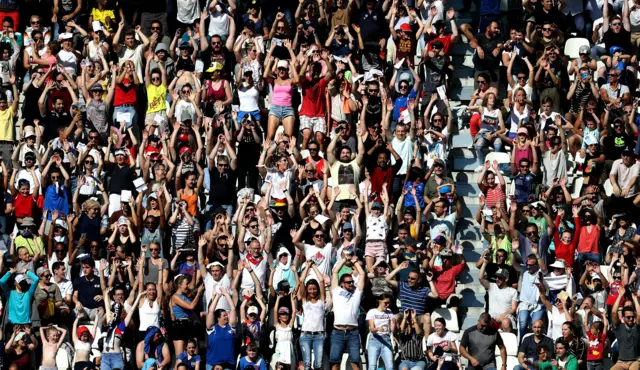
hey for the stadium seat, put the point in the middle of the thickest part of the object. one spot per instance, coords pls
(510, 341)
(572, 46)
(450, 317)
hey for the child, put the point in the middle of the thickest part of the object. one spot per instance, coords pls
(252, 359)
(189, 357)
(24, 201)
(252, 320)
(597, 334)
(377, 216)
(54, 338)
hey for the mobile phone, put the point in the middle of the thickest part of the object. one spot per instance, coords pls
(83, 236)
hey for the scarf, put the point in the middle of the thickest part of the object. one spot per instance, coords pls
(254, 260)
(113, 325)
(147, 343)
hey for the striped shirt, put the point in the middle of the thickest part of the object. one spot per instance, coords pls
(411, 347)
(415, 299)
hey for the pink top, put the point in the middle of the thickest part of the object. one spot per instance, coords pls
(282, 95)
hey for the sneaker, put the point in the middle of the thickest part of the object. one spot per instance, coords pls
(478, 169)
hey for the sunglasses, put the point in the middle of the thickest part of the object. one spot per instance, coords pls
(60, 251)
(437, 120)
(616, 23)
(404, 86)
(154, 249)
(521, 77)
(481, 81)
(313, 149)
(216, 42)
(223, 165)
(186, 91)
(525, 166)
(35, 22)
(547, 29)
(374, 91)
(155, 78)
(253, 226)
(88, 162)
(348, 282)
(613, 75)
(318, 236)
(526, 210)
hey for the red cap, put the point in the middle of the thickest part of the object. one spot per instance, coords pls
(83, 329)
(406, 27)
(183, 137)
(184, 150)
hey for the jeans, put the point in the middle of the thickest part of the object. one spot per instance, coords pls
(380, 346)
(595, 365)
(121, 109)
(483, 143)
(345, 340)
(412, 365)
(584, 257)
(309, 342)
(525, 318)
(111, 361)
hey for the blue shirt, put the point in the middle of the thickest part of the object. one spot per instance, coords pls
(221, 348)
(191, 364)
(401, 103)
(260, 364)
(19, 303)
(415, 299)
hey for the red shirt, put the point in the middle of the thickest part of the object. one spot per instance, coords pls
(313, 98)
(613, 292)
(566, 251)
(23, 206)
(319, 165)
(125, 95)
(446, 43)
(595, 351)
(445, 282)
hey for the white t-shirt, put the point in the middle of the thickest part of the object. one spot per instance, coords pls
(26, 175)
(134, 55)
(377, 228)
(65, 261)
(65, 286)
(260, 270)
(314, 314)
(446, 224)
(381, 320)
(434, 340)
(212, 287)
(320, 256)
(347, 305)
(501, 299)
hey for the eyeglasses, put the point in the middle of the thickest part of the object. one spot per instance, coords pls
(216, 42)
(374, 91)
(437, 120)
(149, 223)
(35, 22)
(613, 75)
(529, 233)
(223, 165)
(630, 317)
(412, 278)
(155, 78)
(616, 23)
(526, 210)
(318, 236)
(481, 81)
(309, 171)
(313, 149)
(60, 251)
(46, 276)
(255, 226)
(88, 162)
(154, 249)
(547, 29)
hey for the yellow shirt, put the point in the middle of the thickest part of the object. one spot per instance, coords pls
(101, 15)
(6, 125)
(21, 241)
(157, 97)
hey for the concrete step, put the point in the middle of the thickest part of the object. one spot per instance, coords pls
(471, 298)
(471, 200)
(470, 210)
(462, 140)
(463, 152)
(462, 60)
(462, 94)
(465, 164)
(467, 229)
(468, 189)
(460, 48)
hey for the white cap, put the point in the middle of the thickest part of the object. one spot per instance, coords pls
(558, 264)
(282, 64)
(252, 309)
(20, 278)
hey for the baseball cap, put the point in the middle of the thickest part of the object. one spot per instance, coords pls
(523, 130)
(214, 67)
(406, 27)
(283, 286)
(282, 64)
(595, 276)
(20, 278)
(347, 226)
(120, 152)
(558, 264)
(97, 87)
(123, 220)
(584, 50)
(439, 23)
(440, 240)
(27, 221)
(252, 310)
(184, 150)
(377, 205)
(502, 273)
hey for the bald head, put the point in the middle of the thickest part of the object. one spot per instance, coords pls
(537, 327)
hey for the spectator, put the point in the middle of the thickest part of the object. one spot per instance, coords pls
(479, 343)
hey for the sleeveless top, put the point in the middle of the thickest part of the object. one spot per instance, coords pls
(490, 119)
(179, 312)
(523, 153)
(313, 316)
(149, 316)
(185, 64)
(192, 202)
(217, 94)
(23, 206)
(282, 95)
(97, 115)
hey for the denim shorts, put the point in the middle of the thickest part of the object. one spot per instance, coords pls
(255, 115)
(345, 341)
(111, 361)
(280, 112)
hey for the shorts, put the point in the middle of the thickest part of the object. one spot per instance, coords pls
(48, 368)
(255, 114)
(111, 361)
(280, 112)
(345, 340)
(151, 120)
(375, 249)
(315, 124)
(183, 330)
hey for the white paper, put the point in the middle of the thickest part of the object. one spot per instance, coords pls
(304, 153)
(316, 187)
(96, 25)
(579, 158)
(80, 147)
(406, 116)
(123, 117)
(321, 219)
(579, 296)
(125, 196)
(140, 184)
(442, 92)
(487, 212)
(235, 108)
(399, 64)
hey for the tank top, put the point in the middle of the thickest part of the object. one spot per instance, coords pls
(97, 115)
(192, 202)
(523, 153)
(217, 94)
(248, 99)
(515, 117)
(185, 64)
(490, 119)
(313, 316)
(178, 311)
(282, 95)
(149, 316)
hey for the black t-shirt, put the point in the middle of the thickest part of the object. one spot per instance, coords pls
(529, 347)
(490, 63)
(554, 16)
(621, 39)
(615, 144)
(223, 57)
(52, 121)
(222, 189)
(121, 179)
(87, 290)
